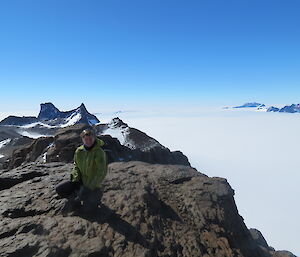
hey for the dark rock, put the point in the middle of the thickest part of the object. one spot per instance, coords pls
(273, 109)
(48, 112)
(14, 120)
(6, 132)
(13, 144)
(30, 153)
(282, 254)
(259, 239)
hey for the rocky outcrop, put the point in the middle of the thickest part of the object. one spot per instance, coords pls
(282, 254)
(147, 210)
(13, 144)
(259, 239)
(65, 143)
(262, 243)
(127, 136)
(68, 139)
(117, 152)
(30, 153)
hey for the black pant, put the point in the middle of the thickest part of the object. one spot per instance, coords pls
(67, 188)
(90, 198)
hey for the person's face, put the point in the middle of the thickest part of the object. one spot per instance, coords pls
(88, 140)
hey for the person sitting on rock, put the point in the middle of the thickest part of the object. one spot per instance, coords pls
(90, 169)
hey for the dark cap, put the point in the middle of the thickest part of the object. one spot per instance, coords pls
(88, 132)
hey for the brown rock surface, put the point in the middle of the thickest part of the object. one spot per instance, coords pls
(148, 210)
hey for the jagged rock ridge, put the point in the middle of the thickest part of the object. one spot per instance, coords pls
(62, 146)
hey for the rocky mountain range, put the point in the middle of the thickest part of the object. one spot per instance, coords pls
(293, 108)
(49, 116)
(154, 203)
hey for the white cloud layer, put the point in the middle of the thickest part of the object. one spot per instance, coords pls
(256, 151)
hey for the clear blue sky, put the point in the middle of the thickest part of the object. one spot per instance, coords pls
(148, 51)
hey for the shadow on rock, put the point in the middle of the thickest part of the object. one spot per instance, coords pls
(104, 214)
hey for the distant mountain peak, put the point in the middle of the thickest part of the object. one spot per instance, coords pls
(250, 105)
(47, 111)
(82, 107)
(117, 122)
(49, 115)
(293, 108)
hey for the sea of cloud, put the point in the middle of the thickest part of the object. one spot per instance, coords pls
(257, 152)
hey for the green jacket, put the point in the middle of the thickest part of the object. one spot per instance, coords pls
(90, 165)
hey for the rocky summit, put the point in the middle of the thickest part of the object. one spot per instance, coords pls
(147, 210)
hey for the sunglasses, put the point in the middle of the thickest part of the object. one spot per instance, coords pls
(88, 135)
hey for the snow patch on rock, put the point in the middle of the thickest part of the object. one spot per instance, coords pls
(31, 134)
(4, 142)
(120, 132)
(75, 117)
